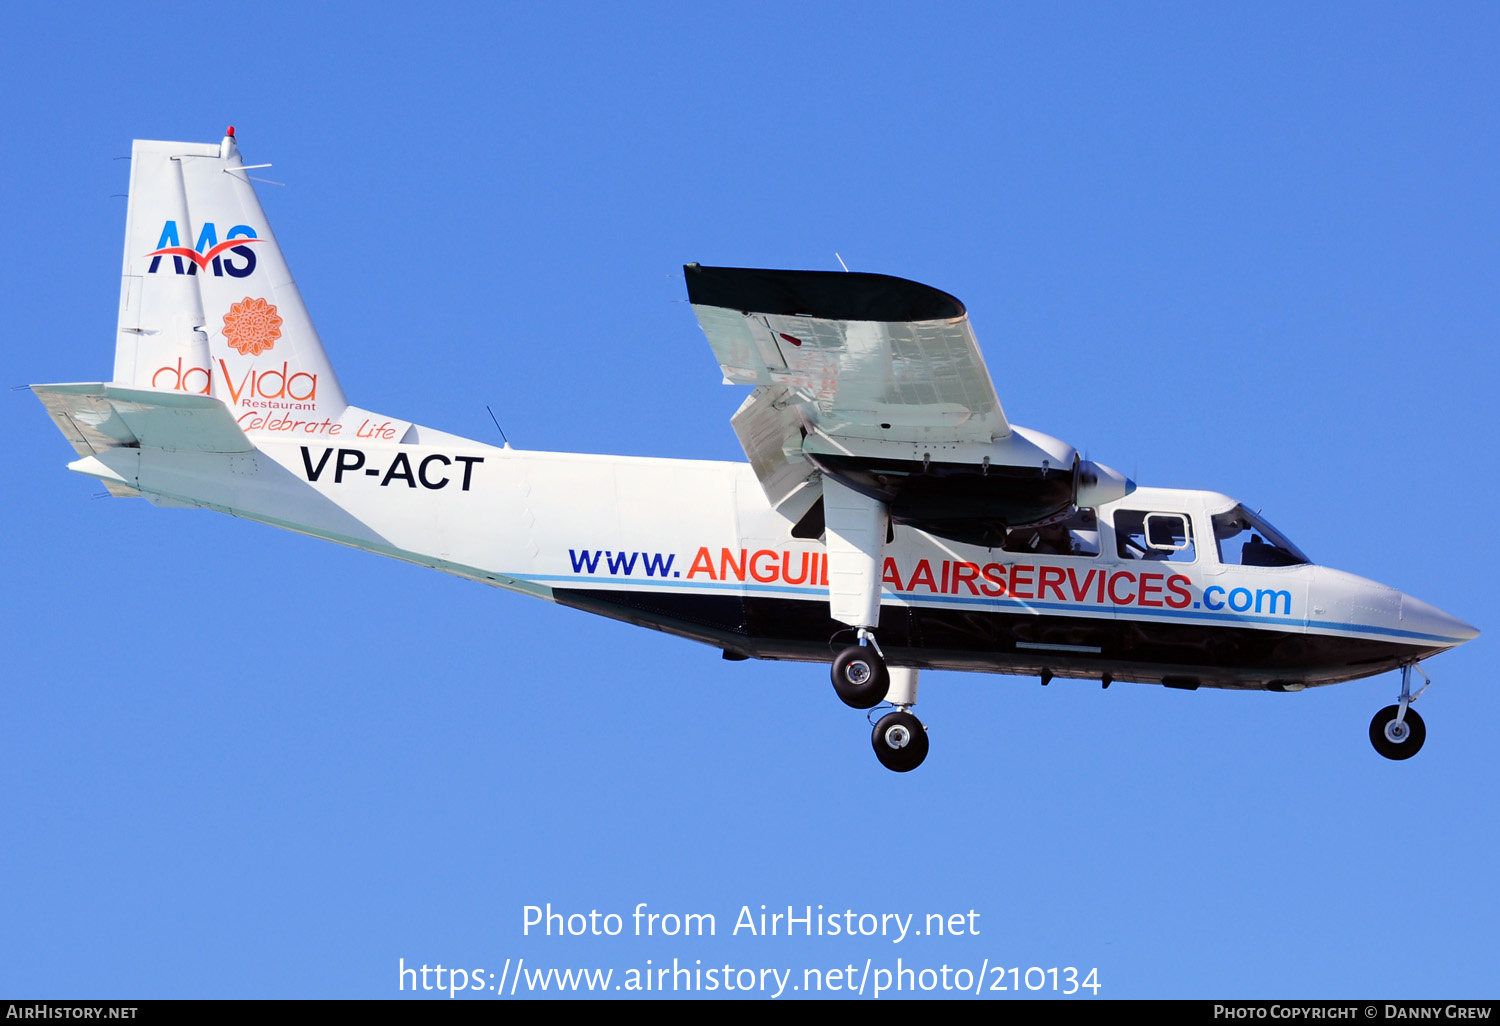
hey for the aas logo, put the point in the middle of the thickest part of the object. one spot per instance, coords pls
(209, 251)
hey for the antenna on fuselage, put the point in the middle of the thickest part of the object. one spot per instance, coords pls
(497, 425)
(840, 260)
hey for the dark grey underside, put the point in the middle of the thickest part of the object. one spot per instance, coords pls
(1180, 655)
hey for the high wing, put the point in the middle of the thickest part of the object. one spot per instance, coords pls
(870, 380)
(877, 382)
(859, 355)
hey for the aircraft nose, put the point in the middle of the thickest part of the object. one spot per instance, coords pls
(1424, 618)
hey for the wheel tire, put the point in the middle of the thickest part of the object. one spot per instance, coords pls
(1404, 748)
(860, 677)
(900, 741)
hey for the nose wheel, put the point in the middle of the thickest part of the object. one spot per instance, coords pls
(1397, 732)
(1397, 738)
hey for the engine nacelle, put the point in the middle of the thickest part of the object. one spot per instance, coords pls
(968, 492)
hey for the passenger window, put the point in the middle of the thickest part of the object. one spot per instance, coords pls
(1165, 537)
(1078, 535)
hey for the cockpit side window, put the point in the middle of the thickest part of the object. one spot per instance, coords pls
(1164, 537)
(1078, 535)
(1244, 539)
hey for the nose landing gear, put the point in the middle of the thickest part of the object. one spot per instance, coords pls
(1397, 732)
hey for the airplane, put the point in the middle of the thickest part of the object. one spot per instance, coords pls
(890, 518)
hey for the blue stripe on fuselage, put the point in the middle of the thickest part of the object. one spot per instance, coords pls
(1130, 612)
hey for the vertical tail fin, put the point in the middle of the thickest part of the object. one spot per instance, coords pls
(207, 304)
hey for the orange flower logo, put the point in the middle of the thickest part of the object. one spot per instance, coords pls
(252, 326)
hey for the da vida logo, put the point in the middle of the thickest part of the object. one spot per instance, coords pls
(251, 327)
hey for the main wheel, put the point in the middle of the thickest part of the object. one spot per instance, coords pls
(860, 677)
(900, 741)
(1397, 740)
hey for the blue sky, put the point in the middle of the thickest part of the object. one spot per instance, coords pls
(1253, 250)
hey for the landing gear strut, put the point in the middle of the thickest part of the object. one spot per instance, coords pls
(1397, 732)
(856, 527)
(899, 738)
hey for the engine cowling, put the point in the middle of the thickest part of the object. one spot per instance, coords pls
(975, 504)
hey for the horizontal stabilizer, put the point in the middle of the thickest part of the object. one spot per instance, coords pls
(97, 416)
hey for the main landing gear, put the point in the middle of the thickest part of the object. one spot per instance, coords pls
(1397, 732)
(856, 528)
(860, 677)
(862, 680)
(900, 741)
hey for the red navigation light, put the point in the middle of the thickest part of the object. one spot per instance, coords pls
(229, 131)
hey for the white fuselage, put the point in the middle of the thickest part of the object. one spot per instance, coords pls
(693, 547)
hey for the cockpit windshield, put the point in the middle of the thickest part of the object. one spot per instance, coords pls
(1244, 539)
